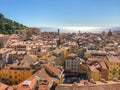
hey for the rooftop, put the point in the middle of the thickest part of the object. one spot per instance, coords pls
(71, 55)
(3, 50)
(95, 67)
(113, 59)
(56, 70)
(5, 87)
(42, 74)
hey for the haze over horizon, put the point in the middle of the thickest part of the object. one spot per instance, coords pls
(63, 13)
(77, 29)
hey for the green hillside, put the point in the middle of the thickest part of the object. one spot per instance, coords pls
(8, 26)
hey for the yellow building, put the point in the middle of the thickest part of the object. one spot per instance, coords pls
(94, 72)
(114, 67)
(96, 75)
(12, 75)
(66, 51)
(20, 70)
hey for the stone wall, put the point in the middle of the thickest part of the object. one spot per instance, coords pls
(115, 86)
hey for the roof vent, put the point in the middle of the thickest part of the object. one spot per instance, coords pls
(37, 78)
(26, 83)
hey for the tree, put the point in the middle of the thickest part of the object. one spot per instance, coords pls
(10, 32)
(1, 16)
(4, 32)
(8, 26)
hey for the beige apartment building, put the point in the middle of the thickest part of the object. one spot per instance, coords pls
(72, 63)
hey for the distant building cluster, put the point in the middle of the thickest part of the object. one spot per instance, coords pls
(34, 60)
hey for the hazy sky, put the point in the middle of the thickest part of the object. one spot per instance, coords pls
(62, 12)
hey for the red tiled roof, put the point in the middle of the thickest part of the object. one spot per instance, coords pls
(43, 87)
(103, 65)
(31, 86)
(45, 75)
(42, 74)
(23, 88)
(95, 59)
(113, 59)
(94, 68)
(5, 87)
(3, 50)
(54, 69)
(14, 36)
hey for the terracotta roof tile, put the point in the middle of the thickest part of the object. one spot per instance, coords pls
(5, 87)
(42, 74)
(54, 69)
(103, 65)
(15, 36)
(94, 68)
(43, 87)
(113, 59)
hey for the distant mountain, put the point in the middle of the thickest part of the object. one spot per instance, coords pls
(8, 26)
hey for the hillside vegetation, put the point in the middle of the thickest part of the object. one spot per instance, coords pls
(8, 26)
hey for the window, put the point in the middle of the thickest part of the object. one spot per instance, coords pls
(15, 72)
(19, 80)
(10, 82)
(16, 82)
(15, 76)
(10, 77)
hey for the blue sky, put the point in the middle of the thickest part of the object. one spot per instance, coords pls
(59, 13)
